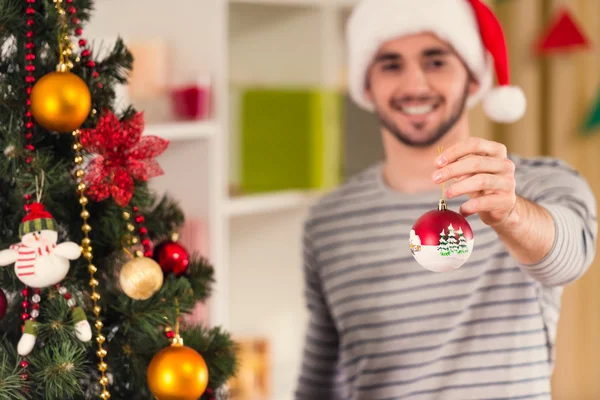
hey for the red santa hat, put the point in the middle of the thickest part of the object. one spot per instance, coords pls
(469, 26)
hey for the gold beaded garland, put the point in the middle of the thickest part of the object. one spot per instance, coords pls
(86, 246)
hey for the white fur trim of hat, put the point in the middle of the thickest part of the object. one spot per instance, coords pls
(469, 26)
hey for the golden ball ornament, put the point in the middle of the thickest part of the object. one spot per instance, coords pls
(140, 278)
(177, 373)
(61, 101)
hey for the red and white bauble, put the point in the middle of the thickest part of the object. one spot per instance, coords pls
(441, 240)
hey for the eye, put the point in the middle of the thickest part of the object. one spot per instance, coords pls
(392, 66)
(436, 63)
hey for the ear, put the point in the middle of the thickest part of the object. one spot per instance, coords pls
(368, 93)
(474, 85)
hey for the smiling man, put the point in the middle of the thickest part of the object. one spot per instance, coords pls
(427, 108)
(383, 327)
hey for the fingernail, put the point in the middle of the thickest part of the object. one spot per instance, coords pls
(441, 160)
(437, 177)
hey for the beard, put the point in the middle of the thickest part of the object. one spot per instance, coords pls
(436, 134)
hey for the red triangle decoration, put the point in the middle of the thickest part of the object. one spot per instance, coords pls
(562, 35)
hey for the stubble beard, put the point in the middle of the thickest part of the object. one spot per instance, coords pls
(438, 132)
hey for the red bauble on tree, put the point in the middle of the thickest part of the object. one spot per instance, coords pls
(172, 257)
(3, 304)
(441, 240)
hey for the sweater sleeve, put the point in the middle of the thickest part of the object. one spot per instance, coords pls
(320, 354)
(570, 201)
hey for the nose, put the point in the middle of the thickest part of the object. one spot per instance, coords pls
(414, 82)
(36, 237)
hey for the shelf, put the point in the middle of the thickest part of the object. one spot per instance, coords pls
(270, 202)
(176, 131)
(305, 3)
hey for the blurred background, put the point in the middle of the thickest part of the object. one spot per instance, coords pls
(252, 95)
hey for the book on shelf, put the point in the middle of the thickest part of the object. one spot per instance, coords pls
(290, 139)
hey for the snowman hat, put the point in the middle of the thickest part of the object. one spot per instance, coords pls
(37, 219)
(469, 26)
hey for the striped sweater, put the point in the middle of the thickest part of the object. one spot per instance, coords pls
(383, 327)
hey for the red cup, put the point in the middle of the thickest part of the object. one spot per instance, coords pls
(191, 102)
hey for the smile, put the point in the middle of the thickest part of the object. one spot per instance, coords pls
(418, 110)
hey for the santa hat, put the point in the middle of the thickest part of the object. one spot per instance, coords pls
(37, 219)
(469, 26)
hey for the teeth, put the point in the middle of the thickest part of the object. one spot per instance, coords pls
(417, 110)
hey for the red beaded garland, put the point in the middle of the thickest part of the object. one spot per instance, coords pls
(143, 232)
(3, 304)
(29, 80)
(86, 52)
(25, 303)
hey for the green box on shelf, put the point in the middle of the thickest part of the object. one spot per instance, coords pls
(290, 139)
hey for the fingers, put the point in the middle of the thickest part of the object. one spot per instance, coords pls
(499, 203)
(473, 165)
(472, 145)
(463, 177)
(482, 182)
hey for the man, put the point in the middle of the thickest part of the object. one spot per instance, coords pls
(383, 327)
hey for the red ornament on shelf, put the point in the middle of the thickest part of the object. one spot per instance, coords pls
(172, 257)
(441, 240)
(3, 304)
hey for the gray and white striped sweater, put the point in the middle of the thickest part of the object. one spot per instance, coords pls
(383, 327)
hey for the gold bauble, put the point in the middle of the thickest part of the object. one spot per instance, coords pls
(177, 373)
(61, 101)
(140, 278)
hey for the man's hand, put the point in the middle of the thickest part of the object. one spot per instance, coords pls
(484, 173)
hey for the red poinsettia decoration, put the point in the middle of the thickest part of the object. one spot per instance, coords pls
(123, 155)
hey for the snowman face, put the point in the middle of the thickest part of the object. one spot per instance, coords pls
(40, 239)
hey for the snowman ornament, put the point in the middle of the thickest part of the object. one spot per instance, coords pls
(40, 262)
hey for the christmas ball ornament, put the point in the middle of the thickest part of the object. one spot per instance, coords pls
(3, 304)
(172, 257)
(177, 373)
(140, 278)
(441, 240)
(60, 101)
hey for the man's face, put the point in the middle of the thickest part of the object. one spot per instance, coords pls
(419, 87)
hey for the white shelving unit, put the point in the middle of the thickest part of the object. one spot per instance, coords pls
(257, 204)
(254, 241)
(183, 130)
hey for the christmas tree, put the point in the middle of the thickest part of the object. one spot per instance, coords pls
(462, 242)
(452, 243)
(94, 287)
(443, 246)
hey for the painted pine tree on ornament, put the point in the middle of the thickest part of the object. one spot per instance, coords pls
(449, 244)
(452, 242)
(462, 242)
(443, 247)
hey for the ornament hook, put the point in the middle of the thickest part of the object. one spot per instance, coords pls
(39, 190)
(443, 191)
(64, 43)
(177, 340)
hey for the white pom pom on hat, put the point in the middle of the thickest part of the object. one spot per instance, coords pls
(469, 26)
(504, 103)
